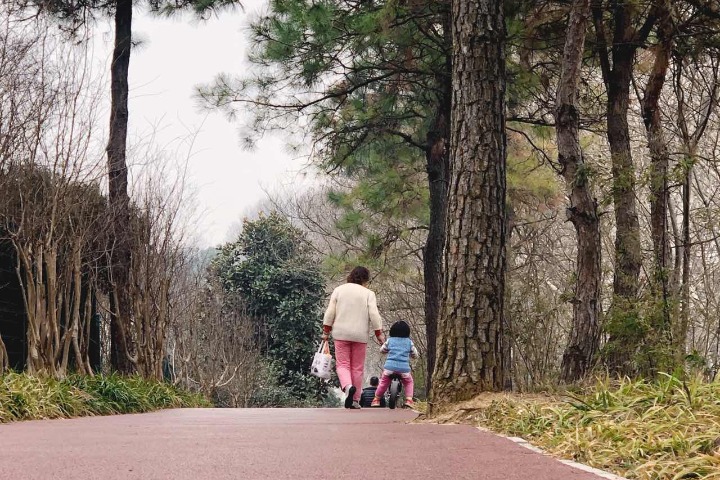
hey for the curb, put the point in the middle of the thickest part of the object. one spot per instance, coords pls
(579, 466)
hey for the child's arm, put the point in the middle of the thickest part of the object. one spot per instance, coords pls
(384, 348)
(413, 351)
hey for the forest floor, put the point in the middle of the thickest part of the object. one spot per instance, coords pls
(669, 429)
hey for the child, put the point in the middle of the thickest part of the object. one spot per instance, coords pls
(399, 349)
(368, 394)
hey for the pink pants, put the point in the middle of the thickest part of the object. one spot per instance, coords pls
(350, 364)
(407, 381)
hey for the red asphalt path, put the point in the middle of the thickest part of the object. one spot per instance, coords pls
(265, 444)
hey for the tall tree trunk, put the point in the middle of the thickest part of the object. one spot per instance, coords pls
(681, 331)
(585, 332)
(470, 327)
(690, 147)
(623, 324)
(659, 192)
(628, 254)
(508, 331)
(4, 360)
(438, 166)
(118, 187)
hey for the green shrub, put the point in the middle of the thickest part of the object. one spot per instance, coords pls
(273, 270)
(299, 392)
(27, 397)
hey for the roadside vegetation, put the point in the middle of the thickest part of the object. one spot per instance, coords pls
(26, 397)
(667, 429)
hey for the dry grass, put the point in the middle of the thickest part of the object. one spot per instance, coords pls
(667, 429)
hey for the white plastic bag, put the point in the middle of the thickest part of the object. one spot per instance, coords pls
(322, 362)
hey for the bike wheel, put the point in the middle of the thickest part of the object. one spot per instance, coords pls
(394, 393)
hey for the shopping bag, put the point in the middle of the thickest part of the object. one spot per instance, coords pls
(322, 362)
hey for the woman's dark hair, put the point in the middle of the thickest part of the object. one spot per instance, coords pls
(359, 275)
(400, 329)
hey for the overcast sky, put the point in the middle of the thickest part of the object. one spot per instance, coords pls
(176, 55)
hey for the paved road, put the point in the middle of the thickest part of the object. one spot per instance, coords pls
(265, 444)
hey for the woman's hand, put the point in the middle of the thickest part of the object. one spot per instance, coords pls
(379, 337)
(326, 333)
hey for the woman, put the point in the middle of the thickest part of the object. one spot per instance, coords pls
(352, 306)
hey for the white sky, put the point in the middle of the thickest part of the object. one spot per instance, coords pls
(175, 56)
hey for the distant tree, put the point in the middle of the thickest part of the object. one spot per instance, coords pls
(272, 270)
(73, 14)
(582, 212)
(620, 29)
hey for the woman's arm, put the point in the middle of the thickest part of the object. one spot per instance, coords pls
(375, 318)
(329, 318)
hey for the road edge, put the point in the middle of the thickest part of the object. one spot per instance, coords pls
(580, 466)
(525, 444)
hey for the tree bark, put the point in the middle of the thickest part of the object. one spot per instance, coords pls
(118, 187)
(585, 332)
(470, 327)
(4, 360)
(628, 252)
(438, 166)
(659, 192)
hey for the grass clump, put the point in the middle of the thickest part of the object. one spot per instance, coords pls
(26, 397)
(668, 429)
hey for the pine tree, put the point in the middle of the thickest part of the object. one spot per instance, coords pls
(379, 114)
(471, 328)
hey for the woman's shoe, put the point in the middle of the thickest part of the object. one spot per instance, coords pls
(355, 406)
(375, 402)
(350, 393)
(409, 403)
